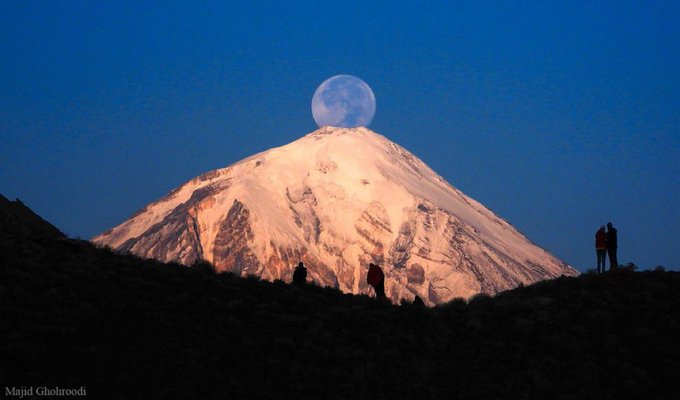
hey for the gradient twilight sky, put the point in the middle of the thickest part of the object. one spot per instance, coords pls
(559, 116)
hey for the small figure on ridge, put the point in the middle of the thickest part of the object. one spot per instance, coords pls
(601, 249)
(300, 275)
(376, 278)
(612, 246)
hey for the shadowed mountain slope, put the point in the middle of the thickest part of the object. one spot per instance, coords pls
(74, 315)
(20, 222)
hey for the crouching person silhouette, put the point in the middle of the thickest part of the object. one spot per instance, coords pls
(300, 275)
(376, 278)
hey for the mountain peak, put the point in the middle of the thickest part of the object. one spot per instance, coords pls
(337, 199)
(331, 130)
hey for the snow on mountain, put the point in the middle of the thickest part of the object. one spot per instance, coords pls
(338, 199)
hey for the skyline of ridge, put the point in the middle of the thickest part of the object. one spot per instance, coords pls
(559, 117)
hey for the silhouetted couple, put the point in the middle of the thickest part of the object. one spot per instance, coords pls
(606, 243)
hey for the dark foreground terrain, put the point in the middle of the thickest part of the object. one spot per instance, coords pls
(72, 315)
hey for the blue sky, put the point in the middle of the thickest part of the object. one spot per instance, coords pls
(559, 116)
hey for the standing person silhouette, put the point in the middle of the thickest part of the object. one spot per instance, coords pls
(601, 249)
(300, 275)
(612, 246)
(376, 278)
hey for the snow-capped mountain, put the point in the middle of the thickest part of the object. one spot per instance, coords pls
(338, 199)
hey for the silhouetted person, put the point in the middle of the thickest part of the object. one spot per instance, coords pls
(612, 246)
(601, 249)
(417, 301)
(376, 278)
(300, 275)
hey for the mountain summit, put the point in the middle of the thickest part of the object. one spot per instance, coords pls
(338, 199)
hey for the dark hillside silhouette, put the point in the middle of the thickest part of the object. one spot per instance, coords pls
(20, 222)
(74, 315)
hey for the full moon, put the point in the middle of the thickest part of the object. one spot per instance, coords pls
(344, 101)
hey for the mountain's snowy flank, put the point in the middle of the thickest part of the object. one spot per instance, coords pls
(338, 199)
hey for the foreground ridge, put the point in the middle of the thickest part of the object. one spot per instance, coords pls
(132, 328)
